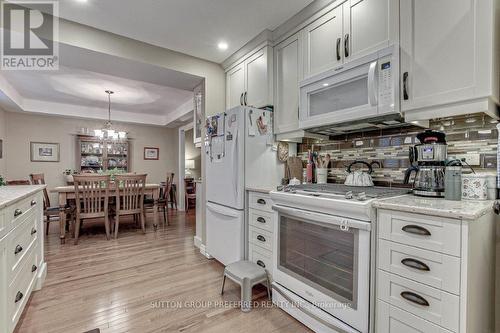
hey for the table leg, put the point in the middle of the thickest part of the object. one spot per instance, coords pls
(156, 196)
(62, 216)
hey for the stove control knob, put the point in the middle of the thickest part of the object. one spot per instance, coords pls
(348, 195)
(361, 196)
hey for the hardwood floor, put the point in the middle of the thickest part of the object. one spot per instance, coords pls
(118, 286)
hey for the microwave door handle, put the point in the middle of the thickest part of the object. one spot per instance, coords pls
(372, 84)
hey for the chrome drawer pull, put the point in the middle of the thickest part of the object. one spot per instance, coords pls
(17, 212)
(261, 202)
(33, 202)
(261, 238)
(416, 230)
(416, 264)
(19, 296)
(414, 298)
(261, 220)
(261, 263)
(18, 249)
(33, 231)
(33, 268)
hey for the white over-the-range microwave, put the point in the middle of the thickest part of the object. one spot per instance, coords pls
(362, 89)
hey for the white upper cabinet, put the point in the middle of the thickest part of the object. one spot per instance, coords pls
(235, 86)
(448, 56)
(369, 25)
(352, 29)
(323, 43)
(288, 68)
(250, 81)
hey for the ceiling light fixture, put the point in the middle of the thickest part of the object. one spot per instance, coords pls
(108, 132)
(81, 1)
(222, 46)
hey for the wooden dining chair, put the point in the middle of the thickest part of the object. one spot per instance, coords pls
(190, 192)
(173, 192)
(92, 198)
(162, 201)
(49, 211)
(129, 199)
(18, 182)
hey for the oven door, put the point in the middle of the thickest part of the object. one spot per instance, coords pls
(325, 259)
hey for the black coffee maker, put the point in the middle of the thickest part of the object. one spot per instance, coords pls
(428, 160)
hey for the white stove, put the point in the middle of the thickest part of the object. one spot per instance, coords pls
(324, 247)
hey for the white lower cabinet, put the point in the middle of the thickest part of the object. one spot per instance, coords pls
(22, 267)
(261, 228)
(434, 274)
(391, 319)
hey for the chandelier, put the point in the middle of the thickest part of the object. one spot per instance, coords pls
(108, 132)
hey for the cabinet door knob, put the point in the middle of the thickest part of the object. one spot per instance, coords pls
(261, 202)
(416, 264)
(261, 263)
(405, 86)
(416, 230)
(33, 268)
(346, 45)
(33, 231)
(414, 298)
(339, 40)
(261, 220)
(261, 238)
(19, 296)
(17, 212)
(33, 202)
(18, 249)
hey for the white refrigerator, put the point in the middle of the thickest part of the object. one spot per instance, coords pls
(240, 153)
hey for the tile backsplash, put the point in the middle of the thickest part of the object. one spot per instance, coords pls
(465, 135)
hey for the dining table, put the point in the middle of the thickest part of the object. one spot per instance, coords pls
(66, 193)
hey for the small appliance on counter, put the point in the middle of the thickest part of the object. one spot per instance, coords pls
(430, 158)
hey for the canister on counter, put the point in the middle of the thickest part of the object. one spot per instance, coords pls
(453, 183)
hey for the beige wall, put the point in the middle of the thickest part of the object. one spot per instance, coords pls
(2, 137)
(23, 128)
(192, 153)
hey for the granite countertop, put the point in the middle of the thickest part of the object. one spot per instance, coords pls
(260, 189)
(11, 194)
(465, 209)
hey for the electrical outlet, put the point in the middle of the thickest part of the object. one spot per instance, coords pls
(471, 159)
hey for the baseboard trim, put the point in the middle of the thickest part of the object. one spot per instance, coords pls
(42, 274)
(204, 252)
(197, 241)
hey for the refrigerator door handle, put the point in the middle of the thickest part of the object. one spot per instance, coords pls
(235, 163)
(222, 210)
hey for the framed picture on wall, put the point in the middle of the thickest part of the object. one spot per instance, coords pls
(151, 153)
(44, 152)
(199, 106)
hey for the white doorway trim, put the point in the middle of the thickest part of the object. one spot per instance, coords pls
(182, 161)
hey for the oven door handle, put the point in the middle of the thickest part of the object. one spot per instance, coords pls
(322, 218)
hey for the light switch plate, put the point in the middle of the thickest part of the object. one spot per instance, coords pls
(472, 159)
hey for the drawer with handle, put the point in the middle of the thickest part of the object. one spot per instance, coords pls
(261, 219)
(261, 257)
(391, 319)
(426, 232)
(436, 306)
(16, 212)
(261, 238)
(20, 289)
(21, 241)
(260, 201)
(432, 268)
